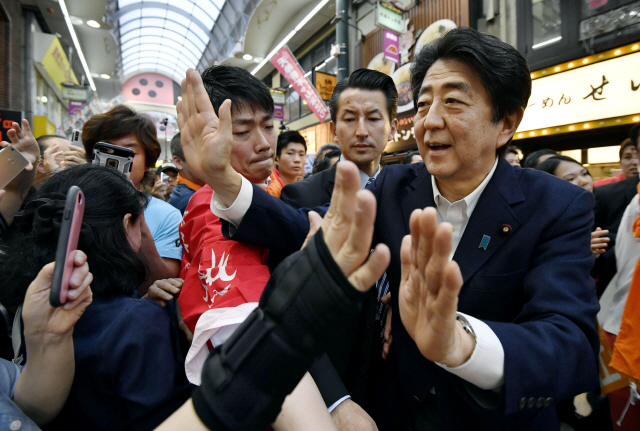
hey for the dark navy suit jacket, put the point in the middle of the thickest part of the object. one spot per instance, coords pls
(531, 286)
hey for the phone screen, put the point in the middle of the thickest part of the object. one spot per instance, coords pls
(67, 245)
(11, 164)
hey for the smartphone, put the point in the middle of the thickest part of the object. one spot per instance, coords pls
(11, 164)
(67, 245)
(164, 177)
(113, 156)
(76, 137)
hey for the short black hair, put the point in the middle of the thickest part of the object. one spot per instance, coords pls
(504, 72)
(238, 85)
(285, 138)
(512, 150)
(626, 143)
(109, 195)
(176, 147)
(634, 133)
(409, 157)
(325, 163)
(551, 164)
(366, 79)
(532, 160)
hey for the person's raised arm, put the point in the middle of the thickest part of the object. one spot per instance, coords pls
(16, 190)
(43, 386)
(207, 138)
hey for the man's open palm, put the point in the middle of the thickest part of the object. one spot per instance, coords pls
(429, 289)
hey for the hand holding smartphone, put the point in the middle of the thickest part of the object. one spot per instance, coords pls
(11, 164)
(67, 245)
(113, 156)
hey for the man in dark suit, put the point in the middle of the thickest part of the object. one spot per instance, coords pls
(491, 339)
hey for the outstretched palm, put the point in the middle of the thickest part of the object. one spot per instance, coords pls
(206, 139)
(429, 289)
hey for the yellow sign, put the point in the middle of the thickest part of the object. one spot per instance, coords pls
(42, 126)
(325, 84)
(57, 65)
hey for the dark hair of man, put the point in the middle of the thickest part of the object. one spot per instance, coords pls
(325, 163)
(238, 85)
(44, 138)
(511, 150)
(634, 133)
(325, 148)
(626, 143)
(409, 157)
(370, 80)
(176, 147)
(285, 138)
(532, 160)
(551, 164)
(501, 68)
(119, 122)
(117, 269)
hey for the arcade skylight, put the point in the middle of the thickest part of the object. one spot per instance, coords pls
(164, 36)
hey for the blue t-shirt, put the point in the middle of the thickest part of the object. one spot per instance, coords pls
(11, 417)
(163, 221)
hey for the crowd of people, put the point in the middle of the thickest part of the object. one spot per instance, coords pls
(229, 289)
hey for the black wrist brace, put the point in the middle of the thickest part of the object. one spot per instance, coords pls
(302, 309)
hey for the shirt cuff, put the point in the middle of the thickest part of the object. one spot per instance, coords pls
(337, 403)
(234, 213)
(485, 367)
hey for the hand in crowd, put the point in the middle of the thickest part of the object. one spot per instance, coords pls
(54, 159)
(43, 386)
(207, 138)
(599, 241)
(160, 189)
(162, 291)
(429, 288)
(24, 142)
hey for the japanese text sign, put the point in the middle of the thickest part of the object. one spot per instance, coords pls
(602, 90)
(288, 66)
(388, 16)
(325, 83)
(391, 49)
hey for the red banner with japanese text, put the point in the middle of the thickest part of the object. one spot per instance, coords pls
(289, 68)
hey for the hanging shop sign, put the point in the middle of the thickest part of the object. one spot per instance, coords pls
(6, 119)
(325, 83)
(75, 93)
(405, 138)
(278, 96)
(49, 52)
(75, 107)
(388, 16)
(288, 66)
(391, 46)
(606, 89)
(278, 112)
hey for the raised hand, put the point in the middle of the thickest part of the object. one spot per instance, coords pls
(162, 291)
(24, 142)
(348, 229)
(207, 139)
(74, 156)
(429, 288)
(599, 242)
(52, 158)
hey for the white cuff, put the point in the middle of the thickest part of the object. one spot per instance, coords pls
(485, 367)
(337, 403)
(234, 213)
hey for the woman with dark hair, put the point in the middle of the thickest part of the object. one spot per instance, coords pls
(127, 362)
(568, 169)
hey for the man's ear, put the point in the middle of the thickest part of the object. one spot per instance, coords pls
(510, 124)
(332, 126)
(176, 161)
(40, 167)
(394, 129)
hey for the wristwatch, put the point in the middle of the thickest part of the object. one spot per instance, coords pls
(466, 325)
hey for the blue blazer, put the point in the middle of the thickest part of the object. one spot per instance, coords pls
(531, 286)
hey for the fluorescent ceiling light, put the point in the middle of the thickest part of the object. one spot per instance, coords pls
(105, 76)
(247, 57)
(75, 20)
(283, 42)
(76, 43)
(546, 42)
(94, 24)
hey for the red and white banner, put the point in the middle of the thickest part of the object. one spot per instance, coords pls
(288, 66)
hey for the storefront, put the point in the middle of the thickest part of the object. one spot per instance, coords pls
(52, 70)
(584, 108)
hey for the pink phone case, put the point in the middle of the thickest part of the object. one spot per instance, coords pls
(67, 244)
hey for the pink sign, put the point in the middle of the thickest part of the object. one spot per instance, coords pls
(391, 48)
(288, 66)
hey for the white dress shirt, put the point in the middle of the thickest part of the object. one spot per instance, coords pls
(485, 367)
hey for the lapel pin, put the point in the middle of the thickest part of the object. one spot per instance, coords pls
(485, 242)
(505, 228)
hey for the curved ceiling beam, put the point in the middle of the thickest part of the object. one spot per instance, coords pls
(137, 6)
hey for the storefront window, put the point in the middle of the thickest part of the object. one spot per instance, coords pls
(547, 24)
(294, 105)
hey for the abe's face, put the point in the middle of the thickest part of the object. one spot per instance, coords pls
(362, 126)
(453, 127)
(254, 144)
